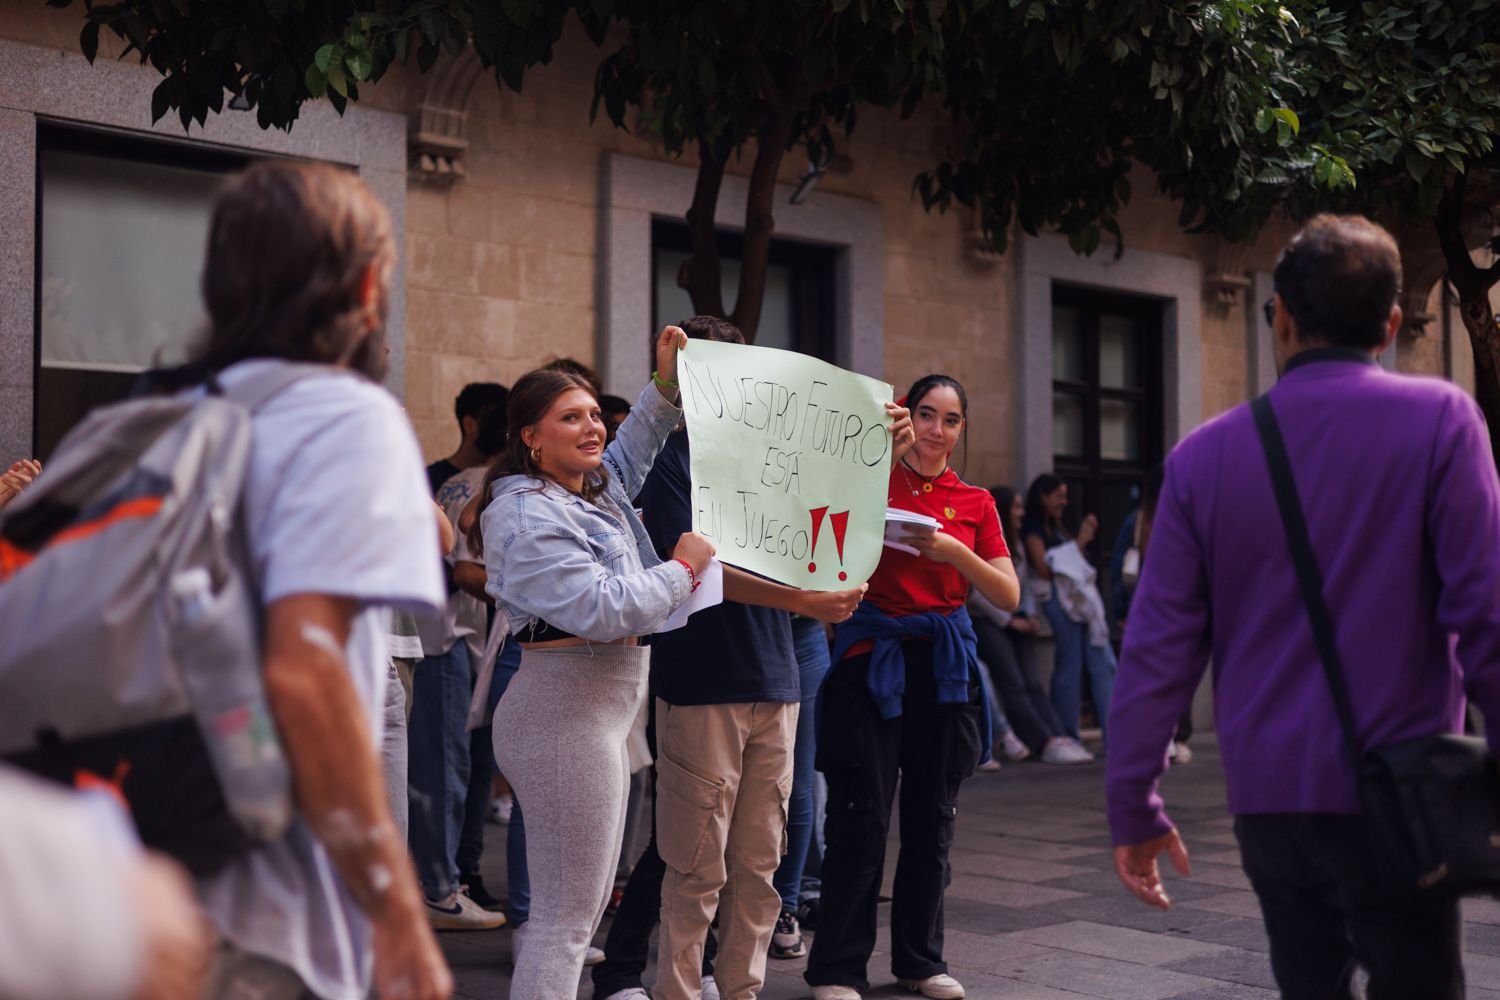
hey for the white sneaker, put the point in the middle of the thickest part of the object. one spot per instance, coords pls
(460, 913)
(835, 993)
(1061, 750)
(988, 767)
(1179, 753)
(500, 810)
(634, 993)
(593, 956)
(1014, 748)
(710, 988)
(939, 987)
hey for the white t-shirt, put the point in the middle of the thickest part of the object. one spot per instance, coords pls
(336, 503)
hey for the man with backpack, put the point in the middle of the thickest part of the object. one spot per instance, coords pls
(1397, 490)
(285, 532)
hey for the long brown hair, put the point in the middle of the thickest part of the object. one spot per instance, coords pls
(531, 397)
(288, 249)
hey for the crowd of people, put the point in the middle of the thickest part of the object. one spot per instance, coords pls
(494, 630)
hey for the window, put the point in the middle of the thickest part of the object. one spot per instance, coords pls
(1106, 405)
(122, 225)
(798, 311)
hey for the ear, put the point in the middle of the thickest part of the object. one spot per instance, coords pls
(369, 288)
(1392, 327)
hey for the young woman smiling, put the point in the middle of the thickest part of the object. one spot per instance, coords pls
(904, 697)
(570, 564)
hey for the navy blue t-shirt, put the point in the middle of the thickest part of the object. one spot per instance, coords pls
(724, 655)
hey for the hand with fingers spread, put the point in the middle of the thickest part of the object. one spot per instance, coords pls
(671, 340)
(1135, 864)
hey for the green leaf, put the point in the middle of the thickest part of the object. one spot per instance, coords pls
(325, 57)
(338, 82)
(88, 40)
(355, 40)
(1288, 116)
(358, 64)
(162, 99)
(317, 81)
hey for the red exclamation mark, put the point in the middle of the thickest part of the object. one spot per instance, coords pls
(817, 522)
(839, 523)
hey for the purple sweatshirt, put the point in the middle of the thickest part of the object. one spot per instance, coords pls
(1398, 485)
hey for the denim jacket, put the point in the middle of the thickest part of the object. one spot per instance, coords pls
(587, 568)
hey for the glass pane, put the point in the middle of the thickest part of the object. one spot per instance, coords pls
(673, 304)
(122, 246)
(1067, 425)
(1067, 344)
(1119, 430)
(1119, 352)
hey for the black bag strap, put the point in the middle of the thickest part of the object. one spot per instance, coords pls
(1309, 578)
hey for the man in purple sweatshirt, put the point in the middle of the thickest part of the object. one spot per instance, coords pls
(1398, 483)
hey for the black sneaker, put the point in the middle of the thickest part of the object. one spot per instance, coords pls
(475, 890)
(786, 941)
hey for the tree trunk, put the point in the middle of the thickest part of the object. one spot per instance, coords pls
(701, 273)
(760, 222)
(1473, 284)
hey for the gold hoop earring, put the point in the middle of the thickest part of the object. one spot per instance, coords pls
(536, 457)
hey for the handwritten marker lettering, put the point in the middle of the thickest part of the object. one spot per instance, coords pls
(839, 523)
(817, 522)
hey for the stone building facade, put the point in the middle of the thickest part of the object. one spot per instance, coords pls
(529, 233)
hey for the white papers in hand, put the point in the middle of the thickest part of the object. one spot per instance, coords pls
(900, 523)
(710, 592)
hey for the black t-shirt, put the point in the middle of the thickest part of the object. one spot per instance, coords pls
(724, 655)
(440, 472)
(1051, 537)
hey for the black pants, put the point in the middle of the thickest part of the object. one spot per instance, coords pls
(934, 747)
(1011, 658)
(1313, 873)
(627, 947)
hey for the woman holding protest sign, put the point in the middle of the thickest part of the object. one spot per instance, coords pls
(570, 564)
(904, 697)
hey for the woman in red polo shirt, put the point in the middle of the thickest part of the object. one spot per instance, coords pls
(904, 697)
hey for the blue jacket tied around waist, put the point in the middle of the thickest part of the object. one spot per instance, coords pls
(955, 663)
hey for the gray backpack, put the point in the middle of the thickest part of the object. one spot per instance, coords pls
(131, 657)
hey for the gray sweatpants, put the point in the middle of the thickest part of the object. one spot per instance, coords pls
(560, 733)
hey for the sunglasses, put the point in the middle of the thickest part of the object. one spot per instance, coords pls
(1270, 311)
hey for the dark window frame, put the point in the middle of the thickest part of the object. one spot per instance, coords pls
(53, 135)
(812, 267)
(1091, 470)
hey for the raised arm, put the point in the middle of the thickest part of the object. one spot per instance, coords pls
(654, 416)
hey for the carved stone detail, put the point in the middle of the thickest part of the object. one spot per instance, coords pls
(1226, 276)
(437, 135)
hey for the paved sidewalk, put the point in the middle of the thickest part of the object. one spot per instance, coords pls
(1035, 912)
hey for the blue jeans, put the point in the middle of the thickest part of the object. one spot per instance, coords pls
(517, 879)
(438, 767)
(812, 663)
(482, 768)
(1074, 654)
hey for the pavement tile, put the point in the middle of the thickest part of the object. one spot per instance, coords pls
(1238, 932)
(1221, 875)
(1015, 869)
(1236, 904)
(987, 918)
(1482, 911)
(1482, 939)
(1007, 893)
(1217, 857)
(1123, 943)
(1229, 991)
(1235, 965)
(1094, 976)
(1021, 847)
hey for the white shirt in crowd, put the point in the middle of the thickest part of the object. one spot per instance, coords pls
(336, 503)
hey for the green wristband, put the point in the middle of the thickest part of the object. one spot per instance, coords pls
(662, 383)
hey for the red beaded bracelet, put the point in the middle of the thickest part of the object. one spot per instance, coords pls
(693, 577)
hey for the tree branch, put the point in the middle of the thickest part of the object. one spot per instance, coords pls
(1462, 270)
(701, 273)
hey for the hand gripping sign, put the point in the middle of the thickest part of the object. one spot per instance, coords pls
(791, 458)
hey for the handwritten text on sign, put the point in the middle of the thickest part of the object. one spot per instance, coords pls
(790, 460)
